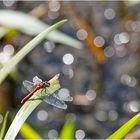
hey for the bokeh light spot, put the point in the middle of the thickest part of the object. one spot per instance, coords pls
(109, 51)
(117, 39)
(99, 41)
(91, 95)
(124, 37)
(113, 115)
(128, 80)
(42, 115)
(8, 49)
(54, 6)
(101, 115)
(109, 13)
(79, 134)
(120, 51)
(134, 106)
(8, 3)
(68, 71)
(49, 46)
(81, 34)
(68, 59)
(53, 15)
(52, 134)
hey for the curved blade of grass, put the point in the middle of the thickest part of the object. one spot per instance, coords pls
(132, 3)
(3, 31)
(122, 131)
(68, 130)
(25, 50)
(2, 132)
(28, 132)
(28, 108)
(32, 26)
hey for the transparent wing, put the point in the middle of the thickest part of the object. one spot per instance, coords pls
(55, 102)
(36, 80)
(63, 97)
(28, 85)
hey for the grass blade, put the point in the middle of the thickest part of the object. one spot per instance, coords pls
(32, 26)
(25, 50)
(2, 132)
(3, 31)
(122, 131)
(68, 130)
(28, 132)
(28, 108)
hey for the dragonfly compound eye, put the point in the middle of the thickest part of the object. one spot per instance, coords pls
(47, 83)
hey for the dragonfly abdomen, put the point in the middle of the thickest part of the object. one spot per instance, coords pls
(30, 94)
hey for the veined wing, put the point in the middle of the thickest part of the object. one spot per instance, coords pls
(36, 80)
(28, 85)
(63, 97)
(55, 102)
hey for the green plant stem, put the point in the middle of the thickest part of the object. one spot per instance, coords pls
(25, 50)
(122, 131)
(28, 108)
(2, 132)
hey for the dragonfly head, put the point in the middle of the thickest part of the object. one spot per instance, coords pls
(47, 83)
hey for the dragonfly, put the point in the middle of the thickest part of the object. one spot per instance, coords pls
(54, 99)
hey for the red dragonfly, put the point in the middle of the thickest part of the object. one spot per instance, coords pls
(56, 99)
(38, 83)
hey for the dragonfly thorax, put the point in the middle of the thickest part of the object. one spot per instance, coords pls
(43, 84)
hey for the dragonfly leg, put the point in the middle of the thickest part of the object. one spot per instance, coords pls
(42, 91)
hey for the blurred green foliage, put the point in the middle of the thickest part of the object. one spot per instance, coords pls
(68, 130)
(3, 128)
(122, 131)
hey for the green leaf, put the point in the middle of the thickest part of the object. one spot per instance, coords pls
(28, 107)
(3, 31)
(2, 132)
(32, 26)
(68, 130)
(122, 131)
(8, 67)
(28, 132)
